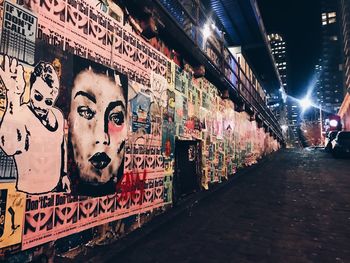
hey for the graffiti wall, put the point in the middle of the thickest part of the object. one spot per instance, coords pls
(89, 116)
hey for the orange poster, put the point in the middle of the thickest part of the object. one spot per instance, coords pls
(11, 215)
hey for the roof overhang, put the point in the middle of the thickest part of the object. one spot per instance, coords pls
(243, 24)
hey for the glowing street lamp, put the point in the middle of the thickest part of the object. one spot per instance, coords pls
(305, 103)
(333, 123)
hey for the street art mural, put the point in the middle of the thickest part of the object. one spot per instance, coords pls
(97, 127)
(32, 132)
(89, 117)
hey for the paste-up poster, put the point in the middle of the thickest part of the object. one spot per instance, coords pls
(66, 115)
(53, 216)
(37, 145)
(205, 100)
(2, 99)
(178, 80)
(219, 126)
(168, 138)
(18, 33)
(170, 107)
(159, 88)
(97, 128)
(140, 110)
(8, 169)
(12, 205)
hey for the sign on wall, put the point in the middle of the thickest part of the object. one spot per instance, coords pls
(18, 33)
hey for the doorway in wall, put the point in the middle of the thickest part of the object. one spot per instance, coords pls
(187, 168)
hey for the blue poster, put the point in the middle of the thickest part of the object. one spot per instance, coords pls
(140, 107)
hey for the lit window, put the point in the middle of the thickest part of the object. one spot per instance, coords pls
(330, 15)
(331, 20)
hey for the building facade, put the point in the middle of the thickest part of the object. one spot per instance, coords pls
(293, 121)
(344, 111)
(284, 108)
(345, 33)
(329, 89)
(276, 99)
(279, 52)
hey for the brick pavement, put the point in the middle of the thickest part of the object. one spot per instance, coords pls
(293, 208)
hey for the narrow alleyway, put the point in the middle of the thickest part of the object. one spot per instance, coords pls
(294, 208)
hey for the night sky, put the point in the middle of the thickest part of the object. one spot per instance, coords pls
(299, 22)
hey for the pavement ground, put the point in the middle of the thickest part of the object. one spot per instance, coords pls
(295, 207)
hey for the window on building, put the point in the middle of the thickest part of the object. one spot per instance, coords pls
(332, 14)
(324, 19)
(332, 20)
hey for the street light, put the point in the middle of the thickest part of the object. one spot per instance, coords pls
(333, 123)
(306, 103)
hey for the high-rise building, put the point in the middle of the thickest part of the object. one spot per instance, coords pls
(293, 121)
(344, 111)
(345, 32)
(329, 89)
(279, 52)
(276, 99)
(285, 110)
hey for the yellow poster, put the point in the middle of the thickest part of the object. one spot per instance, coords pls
(12, 204)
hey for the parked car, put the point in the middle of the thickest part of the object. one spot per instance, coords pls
(328, 141)
(341, 144)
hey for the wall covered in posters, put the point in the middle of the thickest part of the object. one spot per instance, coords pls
(89, 118)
